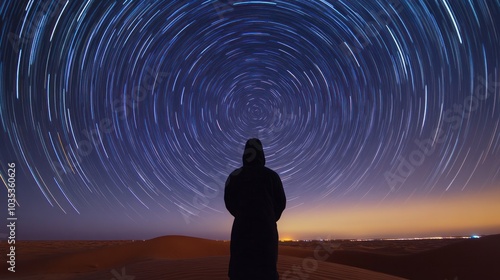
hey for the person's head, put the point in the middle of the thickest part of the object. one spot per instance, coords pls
(254, 153)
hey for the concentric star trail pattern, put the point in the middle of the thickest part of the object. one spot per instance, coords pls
(142, 108)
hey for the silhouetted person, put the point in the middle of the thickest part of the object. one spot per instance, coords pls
(254, 195)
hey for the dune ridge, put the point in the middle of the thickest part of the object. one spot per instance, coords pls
(171, 257)
(183, 257)
(467, 259)
(167, 247)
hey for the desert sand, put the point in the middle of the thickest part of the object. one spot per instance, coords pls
(181, 257)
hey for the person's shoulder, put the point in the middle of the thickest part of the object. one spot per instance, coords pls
(270, 171)
(236, 172)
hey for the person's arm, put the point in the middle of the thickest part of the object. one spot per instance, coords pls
(279, 198)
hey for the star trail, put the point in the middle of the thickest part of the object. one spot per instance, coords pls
(138, 110)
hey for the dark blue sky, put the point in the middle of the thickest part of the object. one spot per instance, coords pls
(124, 118)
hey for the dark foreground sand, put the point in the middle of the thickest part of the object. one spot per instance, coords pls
(181, 257)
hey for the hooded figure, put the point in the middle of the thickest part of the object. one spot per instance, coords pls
(254, 195)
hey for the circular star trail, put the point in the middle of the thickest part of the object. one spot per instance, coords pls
(140, 105)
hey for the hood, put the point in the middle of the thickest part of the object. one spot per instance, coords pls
(253, 154)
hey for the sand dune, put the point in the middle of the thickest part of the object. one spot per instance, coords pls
(215, 268)
(181, 257)
(209, 268)
(467, 259)
(170, 257)
(170, 247)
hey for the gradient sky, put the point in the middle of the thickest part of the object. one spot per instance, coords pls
(124, 118)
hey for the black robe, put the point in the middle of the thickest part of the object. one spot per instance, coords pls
(254, 195)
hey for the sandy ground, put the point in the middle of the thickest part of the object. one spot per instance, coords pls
(181, 257)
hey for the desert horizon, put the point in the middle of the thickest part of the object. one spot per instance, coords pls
(281, 239)
(184, 257)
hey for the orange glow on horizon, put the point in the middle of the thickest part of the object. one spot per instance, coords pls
(286, 239)
(418, 217)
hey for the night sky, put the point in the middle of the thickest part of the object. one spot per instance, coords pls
(124, 118)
